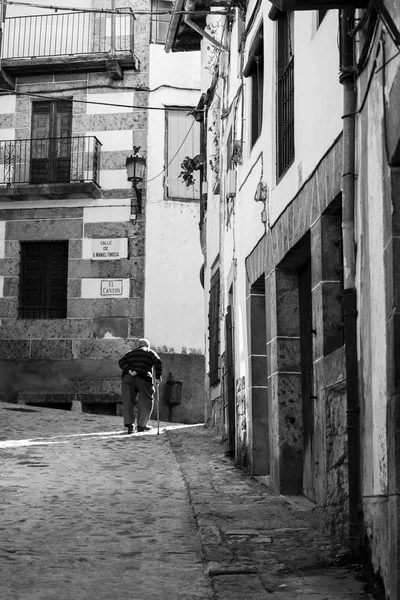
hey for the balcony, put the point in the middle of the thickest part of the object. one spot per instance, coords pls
(58, 168)
(65, 42)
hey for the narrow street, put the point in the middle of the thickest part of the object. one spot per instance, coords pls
(89, 512)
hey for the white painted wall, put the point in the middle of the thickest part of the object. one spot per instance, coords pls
(174, 316)
(2, 238)
(115, 211)
(110, 103)
(175, 69)
(318, 104)
(371, 281)
(173, 296)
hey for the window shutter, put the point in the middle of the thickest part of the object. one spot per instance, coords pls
(160, 23)
(43, 280)
(51, 141)
(180, 125)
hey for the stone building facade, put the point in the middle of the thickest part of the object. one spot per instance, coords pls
(76, 273)
(298, 233)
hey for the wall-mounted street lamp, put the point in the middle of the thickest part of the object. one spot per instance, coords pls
(135, 167)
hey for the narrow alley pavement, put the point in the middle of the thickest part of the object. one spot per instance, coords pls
(88, 512)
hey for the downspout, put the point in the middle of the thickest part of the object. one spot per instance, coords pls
(347, 79)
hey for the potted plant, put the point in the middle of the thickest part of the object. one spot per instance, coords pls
(188, 165)
(186, 173)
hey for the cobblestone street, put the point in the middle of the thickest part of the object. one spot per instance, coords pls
(89, 512)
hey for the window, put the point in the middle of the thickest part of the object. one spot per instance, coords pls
(285, 99)
(213, 328)
(43, 280)
(51, 141)
(255, 71)
(183, 139)
(160, 22)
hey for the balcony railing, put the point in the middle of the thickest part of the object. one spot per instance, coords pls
(50, 160)
(65, 34)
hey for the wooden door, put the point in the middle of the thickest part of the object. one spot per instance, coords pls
(306, 346)
(51, 141)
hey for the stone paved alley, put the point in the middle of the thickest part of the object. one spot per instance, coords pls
(88, 512)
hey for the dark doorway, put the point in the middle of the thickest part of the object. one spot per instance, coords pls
(99, 408)
(258, 381)
(306, 350)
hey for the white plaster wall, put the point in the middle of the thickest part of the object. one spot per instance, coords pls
(23, 11)
(112, 179)
(173, 69)
(173, 296)
(2, 238)
(7, 134)
(174, 316)
(8, 104)
(121, 102)
(113, 141)
(318, 93)
(318, 104)
(373, 302)
(318, 123)
(119, 210)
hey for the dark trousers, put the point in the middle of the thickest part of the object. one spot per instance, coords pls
(137, 393)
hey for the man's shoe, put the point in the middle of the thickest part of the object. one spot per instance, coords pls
(147, 428)
(130, 428)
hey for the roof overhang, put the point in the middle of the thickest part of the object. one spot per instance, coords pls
(181, 37)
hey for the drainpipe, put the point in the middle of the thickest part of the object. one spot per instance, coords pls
(347, 78)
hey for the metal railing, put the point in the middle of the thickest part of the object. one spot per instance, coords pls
(67, 34)
(286, 117)
(50, 160)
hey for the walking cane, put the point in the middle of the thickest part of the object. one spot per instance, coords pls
(158, 408)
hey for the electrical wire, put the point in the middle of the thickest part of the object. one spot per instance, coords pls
(371, 23)
(46, 97)
(176, 153)
(107, 86)
(116, 11)
(389, 60)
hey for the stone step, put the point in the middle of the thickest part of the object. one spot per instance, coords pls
(54, 398)
(96, 386)
(49, 397)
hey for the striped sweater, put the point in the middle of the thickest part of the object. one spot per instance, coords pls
(142, 360)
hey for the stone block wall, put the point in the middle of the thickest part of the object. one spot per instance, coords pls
(310, 229)
(189, 369)
(51, 355)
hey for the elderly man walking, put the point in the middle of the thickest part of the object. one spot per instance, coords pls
(137, 381)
